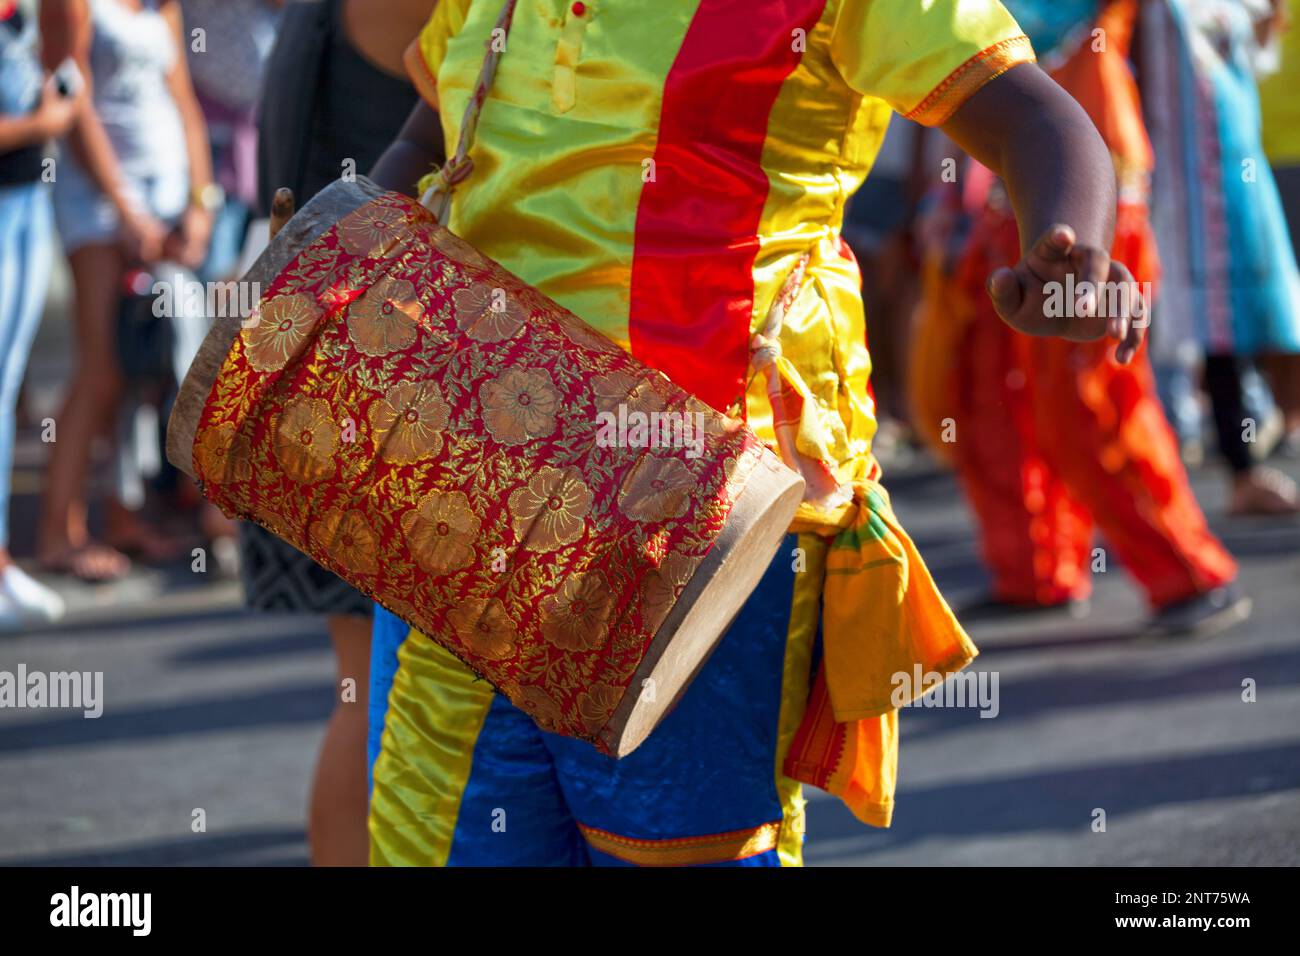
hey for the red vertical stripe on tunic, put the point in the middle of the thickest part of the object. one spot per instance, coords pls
(692, 293)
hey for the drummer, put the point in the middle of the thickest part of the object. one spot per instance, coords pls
(660, 170)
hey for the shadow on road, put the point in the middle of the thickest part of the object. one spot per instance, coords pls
(284, 847)
(314, 641)
(283, 705)
(1039, 695)
(1063, 800)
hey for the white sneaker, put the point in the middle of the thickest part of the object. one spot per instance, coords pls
(11, 616)
(34, 600)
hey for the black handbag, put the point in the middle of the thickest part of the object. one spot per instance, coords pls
(145, 339)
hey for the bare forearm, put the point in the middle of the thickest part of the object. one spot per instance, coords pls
(417, 149)
(196, 145)
(1061, 181)
(64, 30)
(1057, 169)
(19, 131)
(94, 151)
(181, 88)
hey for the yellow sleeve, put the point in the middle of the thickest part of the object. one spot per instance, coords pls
(424, 56)
(925, 57)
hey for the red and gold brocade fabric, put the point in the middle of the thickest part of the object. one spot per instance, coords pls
(424, 424)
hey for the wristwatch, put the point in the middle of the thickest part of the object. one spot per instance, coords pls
(209, 197)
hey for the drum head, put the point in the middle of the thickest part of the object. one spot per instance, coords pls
(721, 584)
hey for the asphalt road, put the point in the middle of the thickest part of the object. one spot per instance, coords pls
(208, 707)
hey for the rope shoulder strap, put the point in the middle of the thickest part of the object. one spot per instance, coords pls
(437, 195)
(765, 345)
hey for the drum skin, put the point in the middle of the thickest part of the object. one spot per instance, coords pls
(441, 435)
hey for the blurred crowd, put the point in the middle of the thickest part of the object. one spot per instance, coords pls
(1216, 81)
(1194, 99)
(129, 144)
(142, 141)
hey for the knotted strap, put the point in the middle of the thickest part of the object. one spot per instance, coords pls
(881, 613)
(788, 396)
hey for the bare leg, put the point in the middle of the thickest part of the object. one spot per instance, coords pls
(1283, 372)
(130, 532)
(64, 541)
(336, 825)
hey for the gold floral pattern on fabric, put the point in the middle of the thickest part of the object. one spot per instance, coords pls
(485, 628)
(452, 471)
(224, 452)
(663, 587)
(384, 319)
(520, 405)
(407, 423)
(347, 534)
(486, 314)
(583, 335)
(577, 618)
(656, 489)
(372, 230)
(443, 532)
(620, 388)
(306, 438)
(538, 704)
(597, 703)
(550, 510)
(280, 326)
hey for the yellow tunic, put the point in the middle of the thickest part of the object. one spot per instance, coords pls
(659, 168)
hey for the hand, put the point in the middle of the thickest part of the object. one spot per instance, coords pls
(1274, 23)
(56, 112)
(1072, 291)
(188, 242)
(142, 235)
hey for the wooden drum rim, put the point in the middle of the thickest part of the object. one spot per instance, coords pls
(317, 217)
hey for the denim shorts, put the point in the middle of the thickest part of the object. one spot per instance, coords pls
(85, 216)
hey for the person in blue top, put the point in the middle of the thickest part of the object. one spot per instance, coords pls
(33, 111)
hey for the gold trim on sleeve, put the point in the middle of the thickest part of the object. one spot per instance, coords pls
(424, 82)
(946, 98)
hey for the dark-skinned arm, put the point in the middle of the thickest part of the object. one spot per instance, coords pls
(1061, 182)
(417, 150)
(1026, 129)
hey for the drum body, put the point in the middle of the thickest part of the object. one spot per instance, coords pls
(574, 527)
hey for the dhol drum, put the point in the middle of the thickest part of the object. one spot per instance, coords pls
(564, 519)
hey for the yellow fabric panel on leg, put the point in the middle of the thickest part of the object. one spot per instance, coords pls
(436, 710)
(795, 680)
